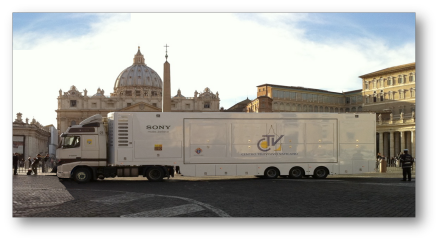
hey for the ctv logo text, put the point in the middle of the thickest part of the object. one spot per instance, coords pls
(264, 143)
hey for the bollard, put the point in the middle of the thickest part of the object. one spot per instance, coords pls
(383, 166)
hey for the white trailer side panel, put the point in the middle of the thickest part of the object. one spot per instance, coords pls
(243, 144)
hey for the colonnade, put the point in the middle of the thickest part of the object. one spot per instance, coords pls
(391, 143)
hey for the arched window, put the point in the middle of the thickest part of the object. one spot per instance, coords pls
(326, 109)
(299, 108)
(347, 110)
(310, 109)
(316, 109)
(332, 110)
(321, 109)
(353, 109)
(73, 122)
(359, 108)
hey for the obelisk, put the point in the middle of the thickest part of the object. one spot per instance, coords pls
(166, 92)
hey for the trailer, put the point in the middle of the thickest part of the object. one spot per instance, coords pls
(131, 144)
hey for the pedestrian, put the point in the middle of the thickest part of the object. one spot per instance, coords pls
(15, 163)
(54, 167)
(177, 169)
(36, 163)
(44, 166)
(407, 161)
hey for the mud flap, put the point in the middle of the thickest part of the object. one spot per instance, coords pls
(170, 172)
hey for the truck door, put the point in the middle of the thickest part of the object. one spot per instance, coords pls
(71, 148)
(90, 147)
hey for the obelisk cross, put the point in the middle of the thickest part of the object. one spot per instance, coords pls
(166, 51)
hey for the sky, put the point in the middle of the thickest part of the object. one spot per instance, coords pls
(231, 53)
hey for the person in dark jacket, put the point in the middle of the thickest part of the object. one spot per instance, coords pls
(406, 160)
(44, 163)
(15, 163)
(36, 163)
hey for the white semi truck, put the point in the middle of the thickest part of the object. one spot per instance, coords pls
(130, 144)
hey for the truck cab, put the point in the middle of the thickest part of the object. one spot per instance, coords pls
(82, 146)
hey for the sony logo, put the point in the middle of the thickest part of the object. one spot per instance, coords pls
(158, 126)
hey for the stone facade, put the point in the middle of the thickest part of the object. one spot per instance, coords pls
(138, 88)
(30, 139)
(391, 94)
(279, 98)
(205, 101)
(262, 104)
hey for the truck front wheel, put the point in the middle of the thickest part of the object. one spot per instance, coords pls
(82, 175)
(155, 174)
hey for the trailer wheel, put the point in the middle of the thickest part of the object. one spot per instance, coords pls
(82, 175)
(296, 172)
(271, 173)
(155, 174)
(320, 173)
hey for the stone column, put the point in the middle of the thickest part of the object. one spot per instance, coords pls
(402, 141)
(413, 143)
(392, 151)
(381, 143)
(386, 145)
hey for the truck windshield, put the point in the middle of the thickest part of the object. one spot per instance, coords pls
(71, 141)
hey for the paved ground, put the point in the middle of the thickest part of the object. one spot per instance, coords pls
(365, 195)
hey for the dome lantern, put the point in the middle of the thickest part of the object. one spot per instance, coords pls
(139, 57)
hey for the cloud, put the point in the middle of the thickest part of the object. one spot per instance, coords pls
(229, 53)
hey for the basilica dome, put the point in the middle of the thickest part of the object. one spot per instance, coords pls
(138, 75)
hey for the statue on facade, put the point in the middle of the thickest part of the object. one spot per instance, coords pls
(61, 92)
(391, 116)
(216, 94)
(380, 117)
(412, 114)
(195, 93)
(27, 121)
(401, 116)
(85, 92)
